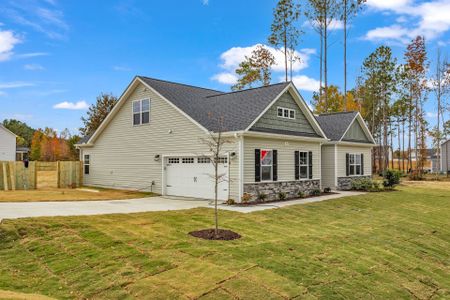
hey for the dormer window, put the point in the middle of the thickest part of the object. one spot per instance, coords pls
(286, 113)
(141, 112)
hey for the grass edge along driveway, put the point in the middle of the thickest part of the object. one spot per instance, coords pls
(380, 245)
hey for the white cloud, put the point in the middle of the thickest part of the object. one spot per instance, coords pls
(424, 18)
(205, 2)
(7, 42)
(225, 78)
(33, 67)
(15, 84)
(121, 68)
(305, 83)
(431, 115)
(80, 105)
(231, 59)
(32, 54)
(335, 24)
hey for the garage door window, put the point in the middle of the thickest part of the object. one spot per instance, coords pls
(187, 160)
(204, 160)
(174, 160)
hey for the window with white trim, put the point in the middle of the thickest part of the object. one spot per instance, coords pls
(86, 164)
(141, 112)
(266, 165)
(286, 113)
(303, 164)
(355, 164)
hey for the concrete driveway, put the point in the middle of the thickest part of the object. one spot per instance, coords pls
(15, 210)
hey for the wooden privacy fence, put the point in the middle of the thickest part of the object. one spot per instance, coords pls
(61, 174)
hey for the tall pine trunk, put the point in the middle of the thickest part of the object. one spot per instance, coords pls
(345, 55)
(325, 62)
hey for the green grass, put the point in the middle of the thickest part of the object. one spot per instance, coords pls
(382, 245)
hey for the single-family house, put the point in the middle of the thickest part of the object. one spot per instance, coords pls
(7, 144)
(348, 153)
(153, 140)
(445, 157)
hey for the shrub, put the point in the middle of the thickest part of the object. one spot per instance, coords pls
(246, 197)
(391, 178)
(262, 197)
(415, 175)
(327, 190)
(315, 192)
(362, 184)
(301, 194)
(281, 196)
(230, 202)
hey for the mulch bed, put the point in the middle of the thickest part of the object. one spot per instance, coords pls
(208, 234)
(274, 201)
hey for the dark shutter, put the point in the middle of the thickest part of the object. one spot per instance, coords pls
(347, 164)
(275, 165)
(310, 159)
(362, 164)
(297, 165)
(257, 165)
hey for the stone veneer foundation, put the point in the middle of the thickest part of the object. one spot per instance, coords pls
(345, 183)
(271, 189)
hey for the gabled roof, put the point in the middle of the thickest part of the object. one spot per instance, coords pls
(7, 130)
(238, 109)
(335, 125)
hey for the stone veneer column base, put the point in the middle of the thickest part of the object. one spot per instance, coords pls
(345, 183)
(271, 189)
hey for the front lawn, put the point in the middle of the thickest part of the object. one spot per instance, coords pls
(389, 245)
(83, 194)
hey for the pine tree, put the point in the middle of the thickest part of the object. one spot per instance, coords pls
(97, 113)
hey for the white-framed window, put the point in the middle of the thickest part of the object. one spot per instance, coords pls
(286, 113)
(303, 164)
(141, 112)
(355, 164)
(266, 165)
(187, 160)
(223, 160)
(86, 164)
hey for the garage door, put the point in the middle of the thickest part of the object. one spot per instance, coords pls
(192, 176)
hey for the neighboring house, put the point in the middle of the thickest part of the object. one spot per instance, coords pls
(348, 154)
(7, 144)
(22, 153)
(151, 141)
(445, 157)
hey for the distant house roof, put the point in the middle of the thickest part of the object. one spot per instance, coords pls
(23, 149)
(336, 124)
(238, 109)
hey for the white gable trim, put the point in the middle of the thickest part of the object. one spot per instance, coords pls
(301, 104)
(7, 130)
(363, 126)
(123, 98)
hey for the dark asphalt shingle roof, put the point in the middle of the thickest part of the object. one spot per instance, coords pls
(236, 109)
(335, 124)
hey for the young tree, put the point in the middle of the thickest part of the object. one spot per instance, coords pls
(335, 101)
(284, 31)
(97, 113)
(440, 85)
(215, 143)
(254, 69)
(349, 8)
(321, 14)
(35, 151)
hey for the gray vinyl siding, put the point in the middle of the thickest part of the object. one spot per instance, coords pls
(328, 166)
(270, 119)
(123, 156)
(445, 156)
(342, 150)
(286, 159)
(356, 133)
(7, 145)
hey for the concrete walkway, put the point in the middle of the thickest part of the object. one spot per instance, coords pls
(15, 210)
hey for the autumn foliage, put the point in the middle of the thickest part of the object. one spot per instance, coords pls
(47, 145)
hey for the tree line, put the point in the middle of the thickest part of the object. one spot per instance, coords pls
(390, 94)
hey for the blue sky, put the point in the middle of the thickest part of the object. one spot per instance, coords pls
(57, 56)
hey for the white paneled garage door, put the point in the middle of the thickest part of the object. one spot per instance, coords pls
(192, 176)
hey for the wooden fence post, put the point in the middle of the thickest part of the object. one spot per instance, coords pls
(5, 177)
(58, 177)
(12, 175)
